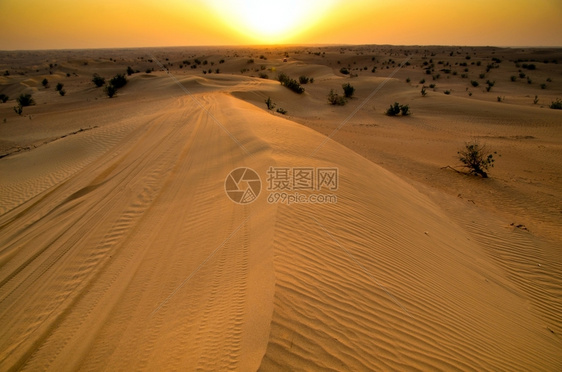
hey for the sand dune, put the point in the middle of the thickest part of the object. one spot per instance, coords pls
(120, 249)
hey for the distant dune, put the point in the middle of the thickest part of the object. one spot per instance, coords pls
(121, 250)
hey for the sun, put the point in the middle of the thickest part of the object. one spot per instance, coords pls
(267, 21)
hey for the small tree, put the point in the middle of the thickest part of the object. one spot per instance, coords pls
(348, 90)
(476, 159)
(98, 80)
(269, 103)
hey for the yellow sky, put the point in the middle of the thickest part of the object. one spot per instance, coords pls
(59, 24)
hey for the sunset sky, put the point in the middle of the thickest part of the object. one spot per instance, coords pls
(61, 24)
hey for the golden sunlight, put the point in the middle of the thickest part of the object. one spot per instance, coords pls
(271, 21)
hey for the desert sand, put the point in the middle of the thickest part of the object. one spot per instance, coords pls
(120, 249)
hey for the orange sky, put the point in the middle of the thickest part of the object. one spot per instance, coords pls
(60, 24)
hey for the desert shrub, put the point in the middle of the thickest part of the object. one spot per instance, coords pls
(536, 100)
(432, 86)
(408, 80)
(522, 75)
(548, 80)
(292, 84)
(25, 99)
(62, 92)
(482, 76)
(423, 92)
(529, 81)
(3, 97)
(500, 99)
(491, 83)
(59, 87)
(543, 86)
(529, 66)
(269, 103)
(118, 81)
(45, 83)
(476, 159)
(282, 111)
(205, 62)
(405, 110)
(221, 61)
(303, 79)
(110, 90)
(474, 83)
(197, 61)
(98, 80)
(393, 110)
(556, 105)
(250, 61)
(263, 75)
(513, 78)
(335, 99)
(344, 71)
(18, 109)
(348, 90)
(447, 92)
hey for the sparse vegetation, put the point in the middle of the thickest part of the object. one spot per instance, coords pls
(335, 99)
(98, 80)
(476, 159)
(110, 90)
(348, 90)
(292, 84)
(269, 103)
(556, 105)
(397, 108)
(118, 81)
(25, 99)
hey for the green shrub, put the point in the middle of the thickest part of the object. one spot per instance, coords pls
(475, 158)
(393, 110)
(269, 103)
(98, 80)
(556, 105)
(292, 84)
(110, 90)
(348, 90)
(25, 99)
(336, 99)
(118, 81)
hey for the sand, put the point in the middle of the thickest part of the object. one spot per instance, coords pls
(120, 249)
